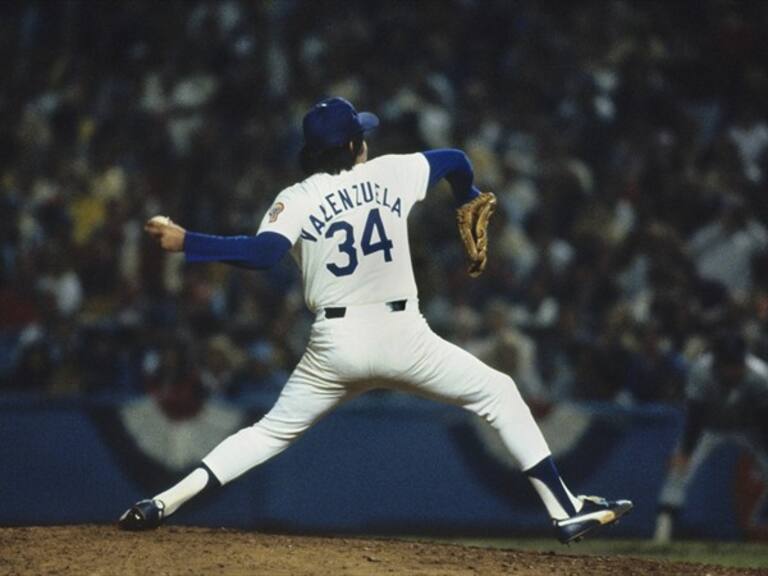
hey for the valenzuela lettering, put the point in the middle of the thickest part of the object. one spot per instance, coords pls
(346, 199)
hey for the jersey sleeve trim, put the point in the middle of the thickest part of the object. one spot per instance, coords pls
(455, 167)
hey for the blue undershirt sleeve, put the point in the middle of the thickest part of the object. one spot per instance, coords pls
(455, 167)
(258, 252)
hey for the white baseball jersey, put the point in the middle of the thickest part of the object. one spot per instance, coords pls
(349, 230)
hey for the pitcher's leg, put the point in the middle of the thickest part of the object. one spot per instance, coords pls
(307, 396)
(304, 400)
(446, 372)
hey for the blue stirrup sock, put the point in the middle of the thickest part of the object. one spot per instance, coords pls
(559, 501)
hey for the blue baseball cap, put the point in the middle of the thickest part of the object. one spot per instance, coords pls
(333, 122)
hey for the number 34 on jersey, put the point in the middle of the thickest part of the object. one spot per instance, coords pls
(373, 240)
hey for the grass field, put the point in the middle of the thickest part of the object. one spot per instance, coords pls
(735, 554)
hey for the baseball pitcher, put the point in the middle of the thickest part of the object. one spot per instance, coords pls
(345, 225)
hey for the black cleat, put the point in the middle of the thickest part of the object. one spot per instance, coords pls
(594, 513)
(144, 515)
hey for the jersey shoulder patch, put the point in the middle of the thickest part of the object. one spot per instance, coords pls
(275, 211)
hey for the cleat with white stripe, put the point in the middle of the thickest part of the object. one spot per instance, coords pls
(595, 512)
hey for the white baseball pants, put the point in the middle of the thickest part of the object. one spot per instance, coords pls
(374, 347)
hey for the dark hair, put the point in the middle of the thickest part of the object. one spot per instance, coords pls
(331, 160)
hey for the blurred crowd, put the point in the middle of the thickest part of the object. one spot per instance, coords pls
(627, 142)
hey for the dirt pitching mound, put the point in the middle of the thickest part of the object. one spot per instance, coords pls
(104, 550)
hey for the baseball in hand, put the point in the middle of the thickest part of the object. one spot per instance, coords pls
(162, 220)
(169, 234)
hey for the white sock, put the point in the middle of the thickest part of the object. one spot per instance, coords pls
(554, 507)
(557, 499)
(189, 487)
(578, 504)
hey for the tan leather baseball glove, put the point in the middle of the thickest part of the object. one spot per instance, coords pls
(472, 219)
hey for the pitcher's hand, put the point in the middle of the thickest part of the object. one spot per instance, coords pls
(169, 234)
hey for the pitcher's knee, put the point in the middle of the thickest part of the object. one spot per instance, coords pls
(260, 436)
(278, 430)
(502, 401)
